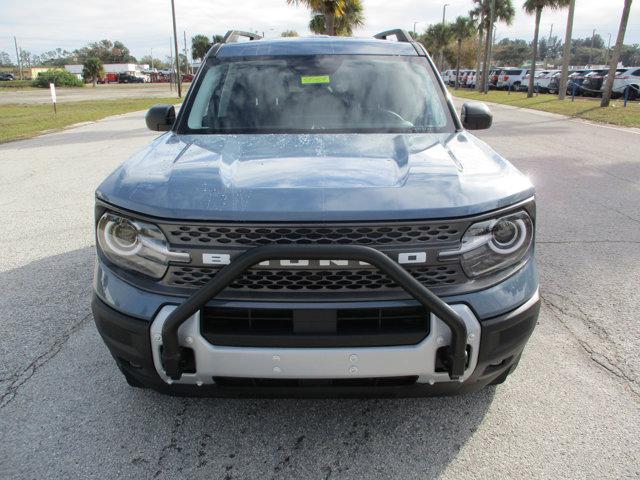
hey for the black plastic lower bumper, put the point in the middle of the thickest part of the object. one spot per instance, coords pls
(502, 340)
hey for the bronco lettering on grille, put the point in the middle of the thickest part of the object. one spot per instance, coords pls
(404, 258)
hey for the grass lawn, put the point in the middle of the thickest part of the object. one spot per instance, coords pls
(585, 108)
(19, 121)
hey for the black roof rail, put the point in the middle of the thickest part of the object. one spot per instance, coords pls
(232, 36)
(401, 35)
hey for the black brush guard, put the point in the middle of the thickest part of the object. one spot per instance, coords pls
(171, 353)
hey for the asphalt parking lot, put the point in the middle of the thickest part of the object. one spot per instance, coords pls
(571, 410)
(88, 92)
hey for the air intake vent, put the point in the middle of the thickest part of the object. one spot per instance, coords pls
(367, 327)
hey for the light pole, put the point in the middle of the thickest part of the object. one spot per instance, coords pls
(414, 28)
(444, 11)
(175, 45)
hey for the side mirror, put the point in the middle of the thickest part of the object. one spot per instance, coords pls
(476, 116)
(160, 118)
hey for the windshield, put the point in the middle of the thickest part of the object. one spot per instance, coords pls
(322, 93)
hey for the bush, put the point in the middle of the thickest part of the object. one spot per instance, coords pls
(17, 84)
(61, 78)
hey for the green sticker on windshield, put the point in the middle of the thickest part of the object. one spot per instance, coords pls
(307, 79)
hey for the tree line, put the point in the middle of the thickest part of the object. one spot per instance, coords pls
(517, 52)
(106, 51)
(453, 42)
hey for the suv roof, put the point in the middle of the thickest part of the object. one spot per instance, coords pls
(316, 46)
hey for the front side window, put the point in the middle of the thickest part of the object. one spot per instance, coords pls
(316, 94)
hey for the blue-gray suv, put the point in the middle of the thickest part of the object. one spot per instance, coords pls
(316, 220)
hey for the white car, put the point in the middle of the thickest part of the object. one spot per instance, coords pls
(541, 80)
(525, 80)
(627, 77)
(449, 77)
(462, 78)
(511, 78)
(471, 79)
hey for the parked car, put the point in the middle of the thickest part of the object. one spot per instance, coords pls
(463, 77)
(627, 78)
(470, 80)
(511, 78)
(452, 76)
(298, 227)
(524, 86)
(128, 78)
(551, 82)
(445, 76)
(6, 76)
(592, 83)
(494, 74)
(543, 80)
(575, 77)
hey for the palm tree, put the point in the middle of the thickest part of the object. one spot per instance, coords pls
(200, 45)
(536, 7)
(491, 11)
(437, 37)
(606, 94)
(92, 70)
(462, 28)
(331, 9)
(352, 17)
(479, 49)
(566, 53)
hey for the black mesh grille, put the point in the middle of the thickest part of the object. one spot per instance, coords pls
(374, 234)
(364, 327)
(316, 280)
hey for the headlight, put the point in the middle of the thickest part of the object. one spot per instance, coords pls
(494, 244)
(136, 245)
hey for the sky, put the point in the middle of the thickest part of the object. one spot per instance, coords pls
(143, 25)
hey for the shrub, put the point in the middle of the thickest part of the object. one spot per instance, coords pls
(59, 77)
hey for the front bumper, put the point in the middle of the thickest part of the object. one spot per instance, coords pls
(319, 372)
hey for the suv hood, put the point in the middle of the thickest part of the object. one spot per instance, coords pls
(321, 177)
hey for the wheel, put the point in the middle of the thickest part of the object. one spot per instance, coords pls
(633, 92)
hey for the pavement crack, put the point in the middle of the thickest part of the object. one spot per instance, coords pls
(17, 380)
(172, 446)
(599, 358)
(619, 212)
